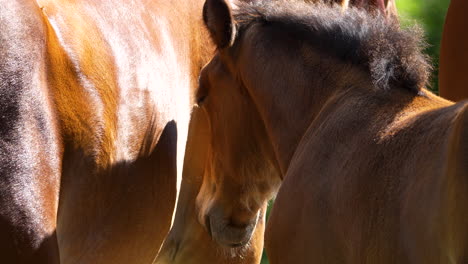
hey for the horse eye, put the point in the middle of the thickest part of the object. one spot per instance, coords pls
(201, 99)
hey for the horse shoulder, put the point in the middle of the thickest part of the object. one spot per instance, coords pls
(120, 77)
(81, 77)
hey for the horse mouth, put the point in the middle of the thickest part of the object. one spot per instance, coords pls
(208, 226)
(229, 235)
(236, 245)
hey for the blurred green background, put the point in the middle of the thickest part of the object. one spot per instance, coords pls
(430, 15)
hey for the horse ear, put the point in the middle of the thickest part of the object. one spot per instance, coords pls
(218, 19)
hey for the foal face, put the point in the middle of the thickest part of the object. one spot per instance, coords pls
(237, 179)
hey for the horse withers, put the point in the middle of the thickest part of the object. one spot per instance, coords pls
(374, 167)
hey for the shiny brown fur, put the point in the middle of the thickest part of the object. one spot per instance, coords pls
(374, 166)
(30, 149)
(188, 241)
(453, 71)
(95, 105)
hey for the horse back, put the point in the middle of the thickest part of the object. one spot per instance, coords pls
(435, 194)
(458, 157)
(369, 182)
(456, 201)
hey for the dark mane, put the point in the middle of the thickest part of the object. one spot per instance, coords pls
(393, 56)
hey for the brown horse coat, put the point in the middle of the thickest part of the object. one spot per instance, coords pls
(95, 99)
(453, 67)
(374, 167)
(188, 241)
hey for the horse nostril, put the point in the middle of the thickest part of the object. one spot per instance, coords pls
(208, 225)
(242, 221)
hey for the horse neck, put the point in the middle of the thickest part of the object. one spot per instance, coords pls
(288, 106)
(202, 47)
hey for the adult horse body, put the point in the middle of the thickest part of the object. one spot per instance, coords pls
(95, 104)
(453, 56)
(374, 166)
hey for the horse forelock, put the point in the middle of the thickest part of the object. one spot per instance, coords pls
(392, 55)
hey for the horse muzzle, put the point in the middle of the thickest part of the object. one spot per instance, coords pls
(227, 233)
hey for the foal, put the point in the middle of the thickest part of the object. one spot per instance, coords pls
(374, 167)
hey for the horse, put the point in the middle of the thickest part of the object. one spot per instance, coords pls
(453, 65)
(330, 107)
(188, 241)
(95, 105)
